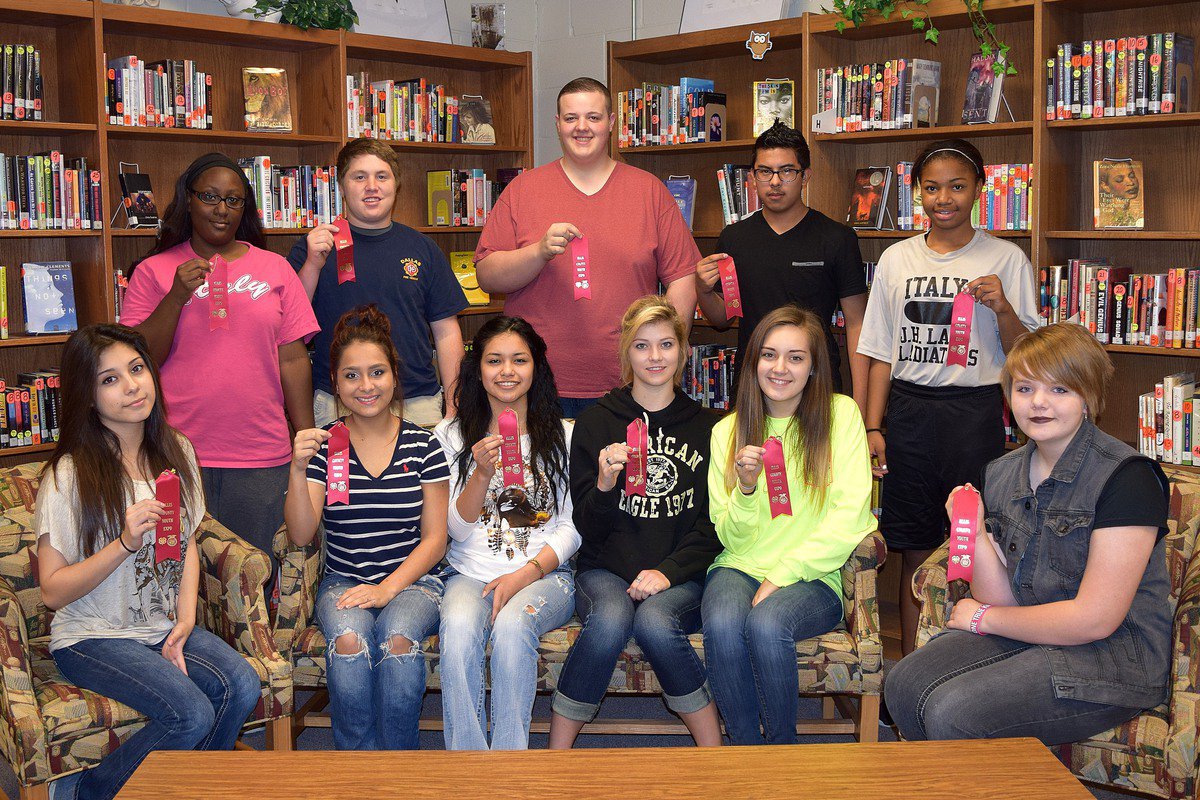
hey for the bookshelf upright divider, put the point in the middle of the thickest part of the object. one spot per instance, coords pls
(74, 38)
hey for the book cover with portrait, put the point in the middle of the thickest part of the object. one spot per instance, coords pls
(773, 102)
(1118, 194)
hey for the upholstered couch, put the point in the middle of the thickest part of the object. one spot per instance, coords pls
(1155, 752)
(845, 666)
(48, 727)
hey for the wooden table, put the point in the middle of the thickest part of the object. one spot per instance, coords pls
(987, 770)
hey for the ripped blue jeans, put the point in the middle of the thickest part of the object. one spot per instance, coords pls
(466, 632)
(374, 694)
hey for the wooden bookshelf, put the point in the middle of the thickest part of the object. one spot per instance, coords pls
(74, 37)
(1062, 152)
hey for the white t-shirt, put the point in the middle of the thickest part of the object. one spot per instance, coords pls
(134, 601)
(496, 543)
(908, 313)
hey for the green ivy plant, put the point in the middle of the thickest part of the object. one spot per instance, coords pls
(857, 12)
(330, 15)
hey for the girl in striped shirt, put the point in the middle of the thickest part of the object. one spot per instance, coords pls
(377, 600)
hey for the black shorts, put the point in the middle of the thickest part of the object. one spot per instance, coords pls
(937, 438)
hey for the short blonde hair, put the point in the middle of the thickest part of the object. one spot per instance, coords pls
(646, 311)
(1062, 353)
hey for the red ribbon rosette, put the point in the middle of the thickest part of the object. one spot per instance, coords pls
(730, 291)
(337, 466)
(777, 480)
(579, 267)
(168, 542)
(964, 528)
(218, 294)
(637, 439)
(960, 330)
(344, 243)
(510, 449)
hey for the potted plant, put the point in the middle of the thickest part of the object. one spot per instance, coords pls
(856, 12)
(329, 15)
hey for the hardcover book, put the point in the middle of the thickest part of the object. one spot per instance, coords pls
(921, 110)
(475, 119)
(1118, 194)
(140, 209)
(683, 189)
(773, 103)
(868, 197)
(463, 265)
(48, 292)
(712, 106)
(268, 103)
(984, 87)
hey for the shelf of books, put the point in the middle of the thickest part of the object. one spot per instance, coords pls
(111, 102)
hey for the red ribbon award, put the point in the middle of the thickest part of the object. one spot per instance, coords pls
(964, 519)
(637, 439)
(960, 330)
(579, 267)
(729, 288)
(777, 480)
(218, 294)
(168, 545)
(337, 466)
(344, 242)
(510, 449)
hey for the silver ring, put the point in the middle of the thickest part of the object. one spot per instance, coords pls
(639, 579)
(608, 461)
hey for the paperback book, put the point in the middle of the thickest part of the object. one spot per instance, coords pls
(868, 198)
(48, 292)
(1118, 194)
(268, 103)
(773, 102)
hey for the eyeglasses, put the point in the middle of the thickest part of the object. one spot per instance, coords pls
(786, 175)
(210, 199)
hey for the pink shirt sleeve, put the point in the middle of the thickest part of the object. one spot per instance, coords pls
(500, 230)
(143, 295)
(677, 249)
(299, 321)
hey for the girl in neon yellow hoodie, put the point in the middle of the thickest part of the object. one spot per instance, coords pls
(777, 581)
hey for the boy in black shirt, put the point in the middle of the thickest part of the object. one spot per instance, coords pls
(789, 253)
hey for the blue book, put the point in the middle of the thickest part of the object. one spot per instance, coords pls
(48, 294)
(683, 189)
(695, 85)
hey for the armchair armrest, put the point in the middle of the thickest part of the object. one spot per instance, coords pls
(936, 594)
(300, 573)
(233, 604)
(859, 575)
(22, 732)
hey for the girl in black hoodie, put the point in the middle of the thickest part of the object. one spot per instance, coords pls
(642, 563)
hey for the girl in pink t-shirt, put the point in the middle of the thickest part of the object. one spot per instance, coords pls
(233, 373)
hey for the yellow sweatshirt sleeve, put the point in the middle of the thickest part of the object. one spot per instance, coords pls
(734, 514)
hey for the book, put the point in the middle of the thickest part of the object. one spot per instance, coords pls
(683, 189)
(463, 266)
(268, 103)
(439, 186)
(1118, 194)
(868, 197)
(48, 293)
(140, 209)
(475, 118)
(773, 102)
(984, 90)
(922, 106)
(712, 116)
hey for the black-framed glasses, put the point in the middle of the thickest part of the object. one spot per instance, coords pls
(210, 199)
(786, 175)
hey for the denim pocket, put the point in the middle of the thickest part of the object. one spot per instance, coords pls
(1066, 537)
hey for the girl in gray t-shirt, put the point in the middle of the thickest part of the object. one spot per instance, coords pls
(125, 619)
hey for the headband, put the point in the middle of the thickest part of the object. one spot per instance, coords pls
(970, 160)
(206, 162)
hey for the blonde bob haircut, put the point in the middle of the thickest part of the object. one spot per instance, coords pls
(1064, 354)
(646, 311)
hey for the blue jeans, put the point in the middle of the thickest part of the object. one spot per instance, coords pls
(374, 694)
(660, 624)
(466, 631)
(751, 652)
(572, 407)
(964, 686)
(202, 710)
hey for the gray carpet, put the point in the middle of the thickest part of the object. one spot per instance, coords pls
(617, 707)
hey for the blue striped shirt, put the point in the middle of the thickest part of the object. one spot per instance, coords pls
(369, 538)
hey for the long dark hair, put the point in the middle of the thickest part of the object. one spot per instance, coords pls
(105, 488)
(177, 219)
(809, 430)
(547, 442)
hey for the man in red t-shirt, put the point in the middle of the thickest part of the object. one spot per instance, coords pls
(635, 238)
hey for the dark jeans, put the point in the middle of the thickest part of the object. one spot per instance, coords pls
(660, 624)
(751, 652)
(202, 710)
(964, 686)
(572, 407)
(247, 501)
